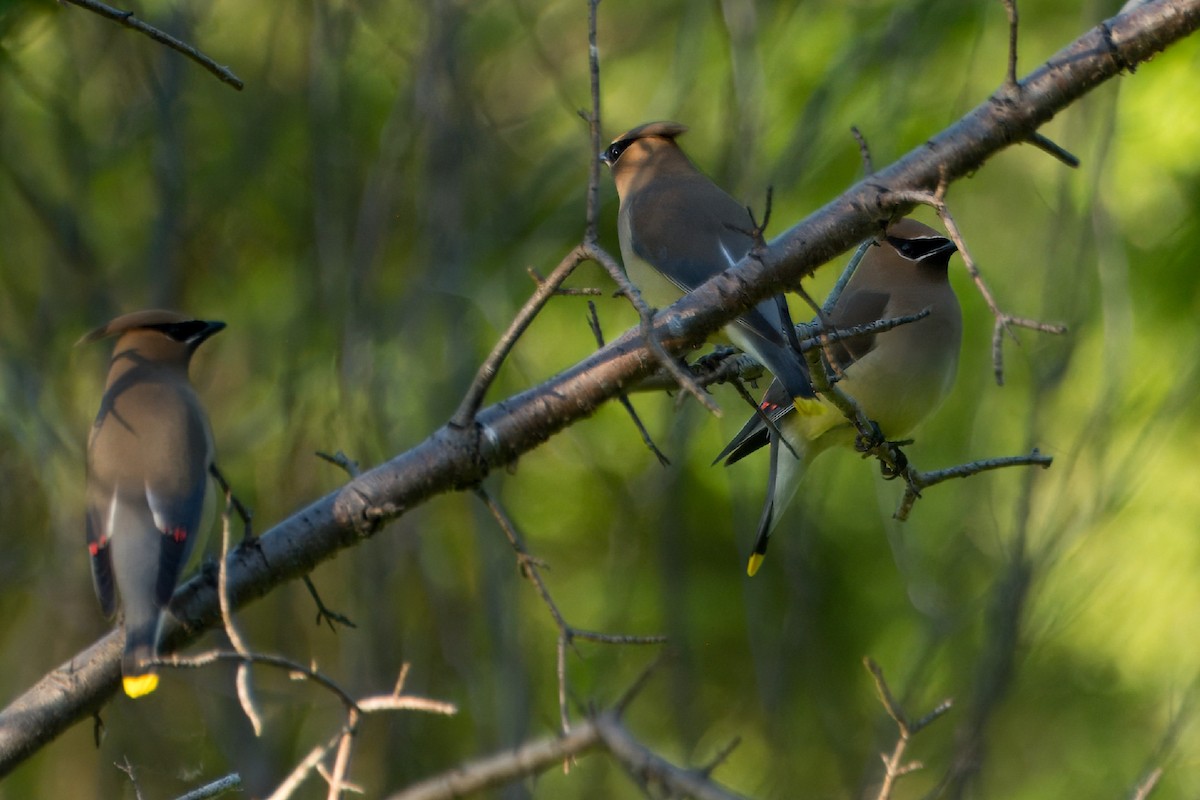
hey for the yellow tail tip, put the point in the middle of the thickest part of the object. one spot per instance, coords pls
(755, 562)
(140, 685)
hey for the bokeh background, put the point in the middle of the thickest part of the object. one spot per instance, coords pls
(363, 215)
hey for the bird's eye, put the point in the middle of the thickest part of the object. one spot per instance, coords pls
(920, 249)
(615, 150)
(182, 331)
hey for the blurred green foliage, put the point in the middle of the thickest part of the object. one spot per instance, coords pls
(363, 215)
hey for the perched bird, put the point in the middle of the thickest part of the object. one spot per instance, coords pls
(678, 229)
(898, 376)
(149, 455)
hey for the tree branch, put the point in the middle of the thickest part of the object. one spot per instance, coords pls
(126, 18)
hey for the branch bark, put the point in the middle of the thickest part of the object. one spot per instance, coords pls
(454, 459)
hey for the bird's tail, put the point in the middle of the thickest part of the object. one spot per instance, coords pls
(768, 513)
(138, 677)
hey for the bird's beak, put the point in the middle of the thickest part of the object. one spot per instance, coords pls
(210, 328)
(948, 247)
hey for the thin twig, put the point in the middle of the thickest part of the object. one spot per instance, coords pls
(341, 761)
(727, 365)
(567, 632)
(127, 19)
(622, 398)
(593, 120)
(1010, 77)
(647, 767)
(325, 613)
(243, 512)
(490, 367)
(646, 323)
(836, 292)
(917, 480)
(230, 783)
(302, 770)
(893, 763)
(504, 767)
(342, 460)
(245, 691)
(538, 280)
(864, 151)
(354, 709)
(1003, 320)
(1143, 789)
(127, 768)
(1054, 149)
(297, 669)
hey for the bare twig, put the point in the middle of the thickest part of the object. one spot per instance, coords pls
(864, 151)
(1003, 320)
(1054, 149)
(917, 480)
(646, 767)
(343, 740)
(593, 121)
(242, 511)
(728, 365)
(836, 292)
(622, 398)
(646, 323)
(1010, 76)
(325, 613)
(127, 19)
(1147, 784)
(230, 783)
(295, 668)
(341, 763)
(301, 771)
(603, 731)
(510, 765)
(340, 459)
(245, 691)
(538, 280)
(893, 763)
(870, 441)
(127, 768)
(567, 632)
(490, 367)
(1011, 84)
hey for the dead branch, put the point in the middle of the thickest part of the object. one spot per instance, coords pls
(490, 367)
(917, 480)
(126, 18)
(623, 398)
(230, 783)
(1004, 321)
(567, 633)
(603, 731)
(893, 764)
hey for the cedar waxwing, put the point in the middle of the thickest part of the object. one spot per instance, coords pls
(149, 455)
(678, 229)
(898, 376)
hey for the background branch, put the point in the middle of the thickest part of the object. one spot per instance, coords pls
(126, 18)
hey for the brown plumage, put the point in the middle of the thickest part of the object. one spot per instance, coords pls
(149, 455)
(898, 377)
(678, 229)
